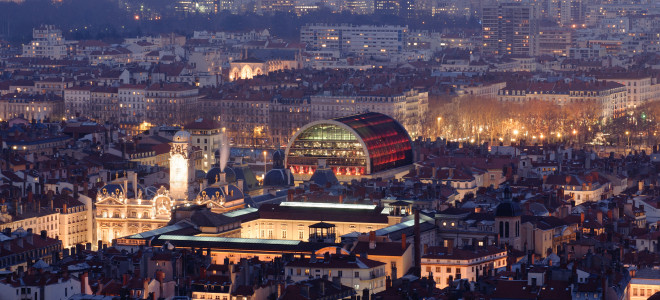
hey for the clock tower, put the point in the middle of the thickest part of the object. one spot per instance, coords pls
(181, 168)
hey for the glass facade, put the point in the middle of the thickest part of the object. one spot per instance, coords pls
(388, 145)
(339, 147)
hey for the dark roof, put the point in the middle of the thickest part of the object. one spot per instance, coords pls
(326, 214)
(239, 244)
(508, 209)
(382, 248)
(336, 262)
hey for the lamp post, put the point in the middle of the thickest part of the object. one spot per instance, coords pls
(265, 153)
(628, 140)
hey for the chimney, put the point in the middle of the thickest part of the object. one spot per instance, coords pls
(160, 276)
(599, 217)
(372, 240)
(403, 241)
(83, 282)
(581, 218)
(44, 234)
(135, 184)
(145, 285)
(418, 257)
(124, 279)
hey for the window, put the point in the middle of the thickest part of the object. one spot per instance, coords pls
(339, 273)
(284, 234)
(634, 291)
(357, 274)
(437, 269)
(448, 270)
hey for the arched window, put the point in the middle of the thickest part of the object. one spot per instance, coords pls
(506, 229)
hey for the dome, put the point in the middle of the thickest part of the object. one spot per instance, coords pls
(114, 188)
(324, 176)
(210, 176)
(182, 136)
(359, 144)
(508, 209)
(278, 177)
(234, 193)
(278, 159)
(230, 174)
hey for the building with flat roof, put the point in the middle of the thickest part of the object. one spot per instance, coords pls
(355, 39)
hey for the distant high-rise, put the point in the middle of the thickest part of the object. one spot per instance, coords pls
(510, 28)
(47, 42)
(355, 39)
(387, 7)
(571, 12)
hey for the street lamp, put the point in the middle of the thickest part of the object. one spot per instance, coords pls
(628, 138)
(265, 153)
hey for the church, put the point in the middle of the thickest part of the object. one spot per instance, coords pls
(124, 207)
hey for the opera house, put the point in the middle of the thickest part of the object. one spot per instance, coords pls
(368, 145)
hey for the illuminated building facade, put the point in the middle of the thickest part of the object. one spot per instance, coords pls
(448, 264)
(251, 67)
(359, 145)
(171, 103)
(47, 42)
(77, 100)
(206, 135)
(510, 28)
(31, 106)
(407, 107)
(181, 169)
(357, 39)
(123, 207)
(132, 107)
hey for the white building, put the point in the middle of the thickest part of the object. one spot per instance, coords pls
(366, 40)
(47, 42)
(77, 101)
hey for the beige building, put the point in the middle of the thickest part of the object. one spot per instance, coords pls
(610, 96)
(408, 107)
(77, 101)
(357, 272)
(206, 135)
(171, 103)
(37, 107)
(644, 284)
(448, 264)
(292, 220)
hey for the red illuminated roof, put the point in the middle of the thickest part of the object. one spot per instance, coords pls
(388, 143)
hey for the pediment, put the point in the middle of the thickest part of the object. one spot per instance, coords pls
(109, 201)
